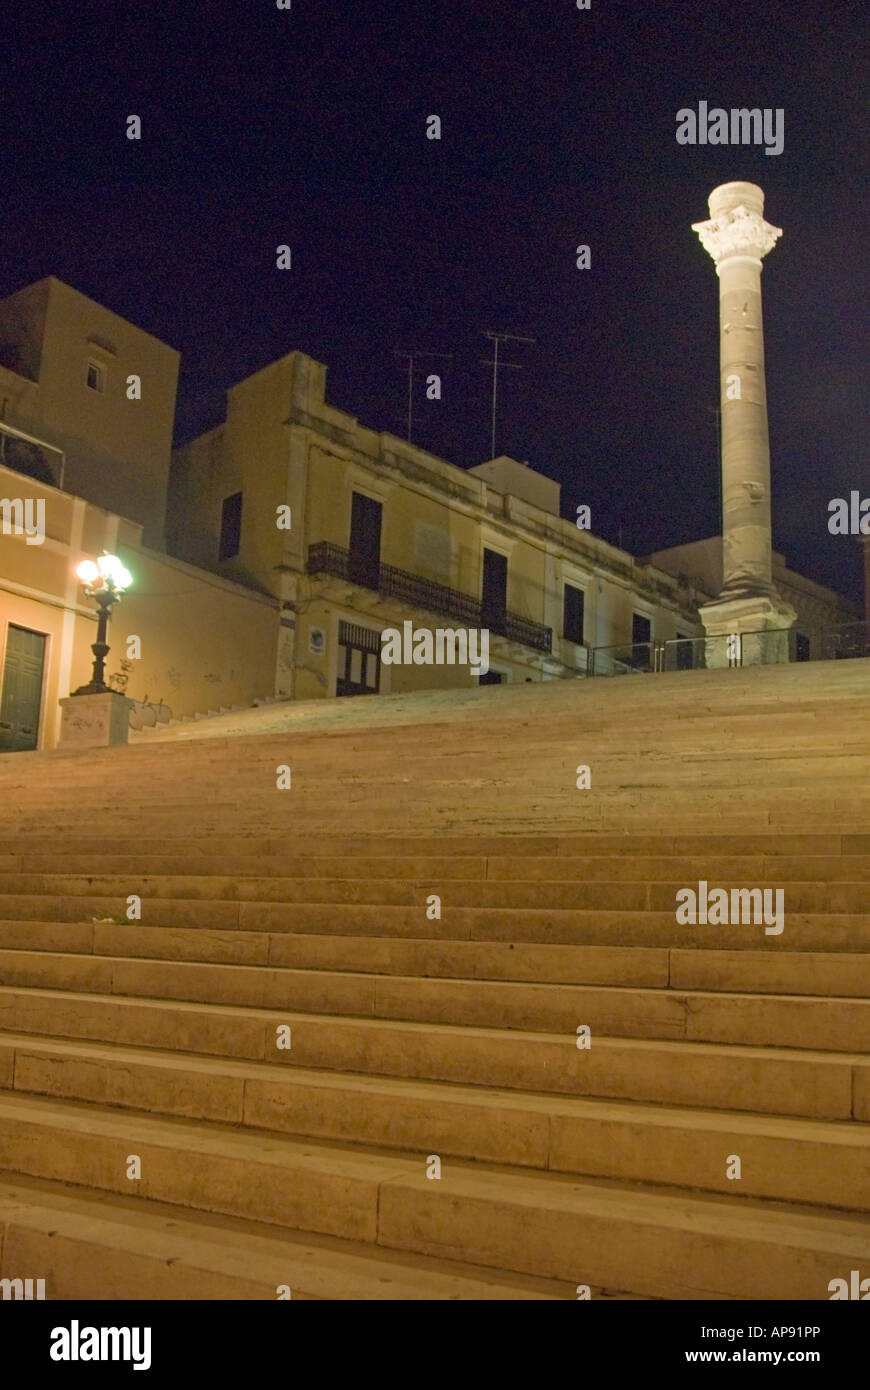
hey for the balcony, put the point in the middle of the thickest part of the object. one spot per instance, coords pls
(389, 582)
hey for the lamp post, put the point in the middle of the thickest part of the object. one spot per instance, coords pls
(105, 582)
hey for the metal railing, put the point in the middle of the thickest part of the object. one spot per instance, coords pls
(625, 659)
(390, 582)
(764, 648)
(845, 642)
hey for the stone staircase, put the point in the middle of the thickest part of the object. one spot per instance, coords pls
(416, 1037)
(145, 716)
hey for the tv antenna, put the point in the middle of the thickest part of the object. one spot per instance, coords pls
(497, 338)
(412, 356)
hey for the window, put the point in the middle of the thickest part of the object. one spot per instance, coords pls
(641, 629)
(493, 605)
(231, 526)
(96, 377)
(801, 647)
(572, 614)
(364, 558)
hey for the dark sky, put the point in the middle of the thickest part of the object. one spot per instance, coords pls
(262, 127)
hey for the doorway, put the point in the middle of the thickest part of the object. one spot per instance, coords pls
(359, 660)
(21, 700)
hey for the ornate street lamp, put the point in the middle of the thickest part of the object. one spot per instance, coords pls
(104, 582)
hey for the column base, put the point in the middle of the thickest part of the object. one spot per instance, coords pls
(747, 631)
(95, 721)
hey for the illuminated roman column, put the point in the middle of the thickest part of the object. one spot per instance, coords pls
(737, 237)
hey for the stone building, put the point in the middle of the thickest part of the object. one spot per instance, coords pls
(69, 413)
(382, 532)
(818, 609)
(271, 553)
(81, 450)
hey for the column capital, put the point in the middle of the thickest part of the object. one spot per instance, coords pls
(737, 231)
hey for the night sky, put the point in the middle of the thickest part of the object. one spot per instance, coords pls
(308, 127)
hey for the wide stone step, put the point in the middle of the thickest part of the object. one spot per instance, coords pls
(551, 868)
(88, 1246)
(388, 812)
(381, 794)
(589, 1231)
(626, 895)
(770, 1080)
(555, 926)
(384, 867)
(830, 1023)
(803, 1160)
(463, 847)
(841, 973)
(646, 777)
(370, 955)
(845, 974)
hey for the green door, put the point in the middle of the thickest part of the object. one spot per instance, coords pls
(22, 689)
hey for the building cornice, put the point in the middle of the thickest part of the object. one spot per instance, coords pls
(551, 534)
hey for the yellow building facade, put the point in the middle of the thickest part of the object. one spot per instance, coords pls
(87, 406)
(201, 642)
(87, 400)
(357, 532)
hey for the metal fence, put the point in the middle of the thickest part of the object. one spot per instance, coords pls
(765, 648)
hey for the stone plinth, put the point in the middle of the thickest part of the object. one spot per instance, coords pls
(758, 624)
(95, 721)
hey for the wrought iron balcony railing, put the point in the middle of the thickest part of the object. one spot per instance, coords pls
(387, 580)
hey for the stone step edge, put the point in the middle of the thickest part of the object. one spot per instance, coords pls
(123, 880)
(655, 916)
(651, 955)
(429, 846)
(242, 1012)
(152, 1251)
(681, 993)
(615, 1110)
(643, 1206)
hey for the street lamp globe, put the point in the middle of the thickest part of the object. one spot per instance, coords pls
(87, 572)
(105, 582)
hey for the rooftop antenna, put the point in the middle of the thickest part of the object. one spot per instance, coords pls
(495, 364)
(411, 356)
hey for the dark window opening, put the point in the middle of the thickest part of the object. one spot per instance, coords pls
(231, 526)
(641, 629)
(493, 604)
(572, 614)
(96, 377)
(801, 647)
(364, 558)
